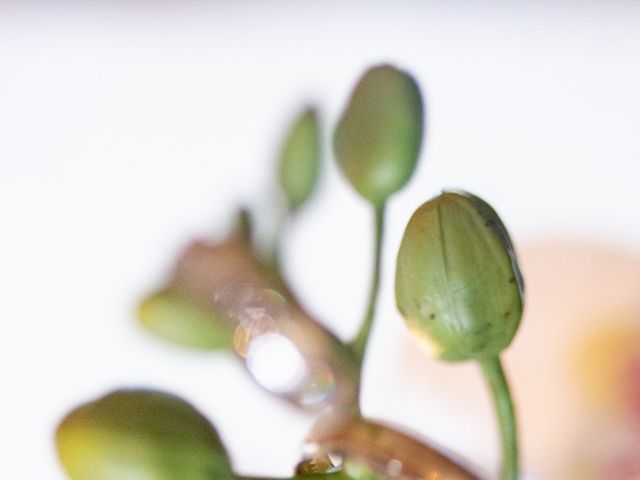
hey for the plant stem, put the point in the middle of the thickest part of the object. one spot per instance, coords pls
(359, 344)
(503, 404)
(272, 256)
(311, 476)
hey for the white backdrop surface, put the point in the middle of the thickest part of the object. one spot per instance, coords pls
(128, 129)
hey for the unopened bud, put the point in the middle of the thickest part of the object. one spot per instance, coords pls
(378, 139)
(140, 434)
(458, 284)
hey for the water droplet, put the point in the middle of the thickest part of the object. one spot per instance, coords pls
(272, 358)
(309, 449)
(323, 463)
(394, 467)
(336, 459)
(274, 295)
(319, 385)
(276, 363)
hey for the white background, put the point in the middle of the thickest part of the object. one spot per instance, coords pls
(127, 130)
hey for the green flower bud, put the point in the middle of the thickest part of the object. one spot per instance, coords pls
(172, 317)
(458, 284)
(300, 159)
(140, 434)
(378, 138)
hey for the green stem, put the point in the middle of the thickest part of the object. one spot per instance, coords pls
(503, 404)
(359, 344)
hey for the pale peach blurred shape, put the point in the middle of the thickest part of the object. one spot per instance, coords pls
(581, 327)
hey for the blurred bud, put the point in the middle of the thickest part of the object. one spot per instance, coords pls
(140, 434)
(171, 316)
(378, 138)
(458, 284)
(300, 159)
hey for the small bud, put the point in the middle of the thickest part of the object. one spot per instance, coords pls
(140, 434)
(172, 317)
(300, 159)
(378, 138)
(458, 284)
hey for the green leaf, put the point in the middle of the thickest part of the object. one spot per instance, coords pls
(378, 138)
(458, 284)
(300, 159)
(177, 319)
(140, 435)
